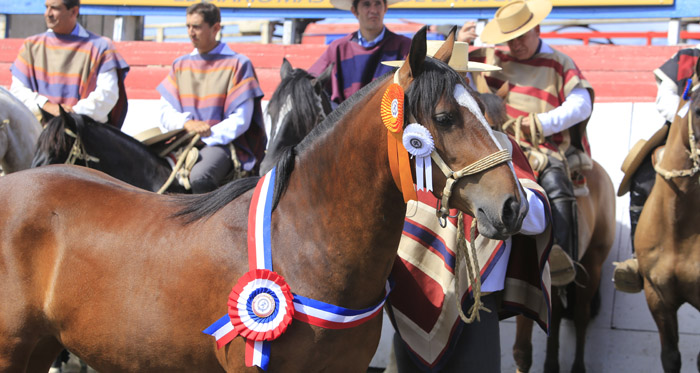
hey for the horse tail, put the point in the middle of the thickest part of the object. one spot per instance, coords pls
(594, 306)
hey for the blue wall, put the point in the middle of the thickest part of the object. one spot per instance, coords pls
(681, 8)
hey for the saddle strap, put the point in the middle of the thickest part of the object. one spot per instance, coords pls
(180, 161)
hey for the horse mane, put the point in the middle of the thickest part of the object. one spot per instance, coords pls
(54, 141)
(298, 86)
(436, 78)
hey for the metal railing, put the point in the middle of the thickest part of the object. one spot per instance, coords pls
(262, 28)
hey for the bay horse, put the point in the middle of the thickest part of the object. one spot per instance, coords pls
(667, 239)
(298, 104)
(78, 139)
(152, 271)
(596, 227)
(19, 131)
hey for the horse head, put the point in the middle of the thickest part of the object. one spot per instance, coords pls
(299, 103)
(478, 178)
(56, 139)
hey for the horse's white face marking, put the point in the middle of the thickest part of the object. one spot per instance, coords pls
(284, 110)
(465, 99)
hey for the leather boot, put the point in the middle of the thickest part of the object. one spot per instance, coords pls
(555, 181)
(626, 275)
(565, 249)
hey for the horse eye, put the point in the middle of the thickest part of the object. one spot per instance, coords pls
(444, 119)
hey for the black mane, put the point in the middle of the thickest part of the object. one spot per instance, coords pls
(424, 92)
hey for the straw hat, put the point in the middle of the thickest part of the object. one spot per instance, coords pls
(459, 60)
(347, 4)
(154, 135)
(514, 19)
(637, 155)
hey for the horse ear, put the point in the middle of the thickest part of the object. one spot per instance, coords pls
(503, 91)
(286, 68)
(445, 52)
(324, 77)
(45, 116)
(415, 58)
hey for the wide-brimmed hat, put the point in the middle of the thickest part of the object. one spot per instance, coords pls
(459, 60)
(514, 19)
(347, 4)
(636, 156)
(154, 135)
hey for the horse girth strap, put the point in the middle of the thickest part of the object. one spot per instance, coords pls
(482, 164)
(693, 154)
(78, 150)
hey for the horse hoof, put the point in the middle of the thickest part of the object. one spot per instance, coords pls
(626, 276)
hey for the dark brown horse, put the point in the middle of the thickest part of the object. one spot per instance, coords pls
(153, 271)
(596, 220)
(667, 240)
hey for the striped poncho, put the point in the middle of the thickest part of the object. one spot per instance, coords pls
(64, 68)
(356, 66)
(211, 86)
(422, 304)
(538, 85)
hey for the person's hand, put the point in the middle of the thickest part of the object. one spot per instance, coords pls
(52, 108)
(467, 33)
(198, 127)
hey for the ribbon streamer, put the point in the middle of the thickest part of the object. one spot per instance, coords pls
(419, 143)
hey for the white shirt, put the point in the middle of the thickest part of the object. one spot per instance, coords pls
(576, 108)
(535, 222)
(97, 105)
(223, 132)
(667, 99)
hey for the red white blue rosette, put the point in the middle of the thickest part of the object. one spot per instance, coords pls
(260, 305)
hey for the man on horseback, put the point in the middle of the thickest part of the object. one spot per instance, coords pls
(357, 57)
(672, 80)
(549, 103)
(214, 93)
(71, 67)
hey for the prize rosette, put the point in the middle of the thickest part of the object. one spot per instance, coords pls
(418, 141)
(392, 108)
(260, 305)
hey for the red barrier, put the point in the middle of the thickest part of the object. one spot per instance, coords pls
(617, 73)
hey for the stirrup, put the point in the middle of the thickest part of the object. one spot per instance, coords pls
(561, 267)
(626, 276)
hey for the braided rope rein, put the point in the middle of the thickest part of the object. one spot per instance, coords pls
(693, 154)
(473, 271)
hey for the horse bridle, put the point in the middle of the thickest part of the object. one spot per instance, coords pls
(78, 151)
(693, 154)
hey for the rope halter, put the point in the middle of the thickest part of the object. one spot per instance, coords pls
(693, 153)
(482, 164)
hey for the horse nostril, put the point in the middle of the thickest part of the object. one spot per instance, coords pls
(509, 215)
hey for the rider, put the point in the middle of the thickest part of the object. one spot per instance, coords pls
(671, 80)
(430, 334)
(548, 93)
(357, 57)
(214, 93)
(72, 67)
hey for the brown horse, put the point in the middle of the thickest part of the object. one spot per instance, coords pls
(667, 240)
(596, 230)
(153, 271)
(596, 227)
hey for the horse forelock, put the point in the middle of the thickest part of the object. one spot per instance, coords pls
(53, 144)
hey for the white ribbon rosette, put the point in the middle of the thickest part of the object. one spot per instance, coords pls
(419, 143)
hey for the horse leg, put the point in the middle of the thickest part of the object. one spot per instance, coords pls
(18, 354)
(551, 361)
(522, 348)
(582, 310)
(666, 319)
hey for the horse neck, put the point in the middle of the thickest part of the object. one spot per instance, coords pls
(342, 194)
(19, 135)
(123, 158)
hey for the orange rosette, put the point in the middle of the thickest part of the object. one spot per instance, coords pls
(392, 108)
